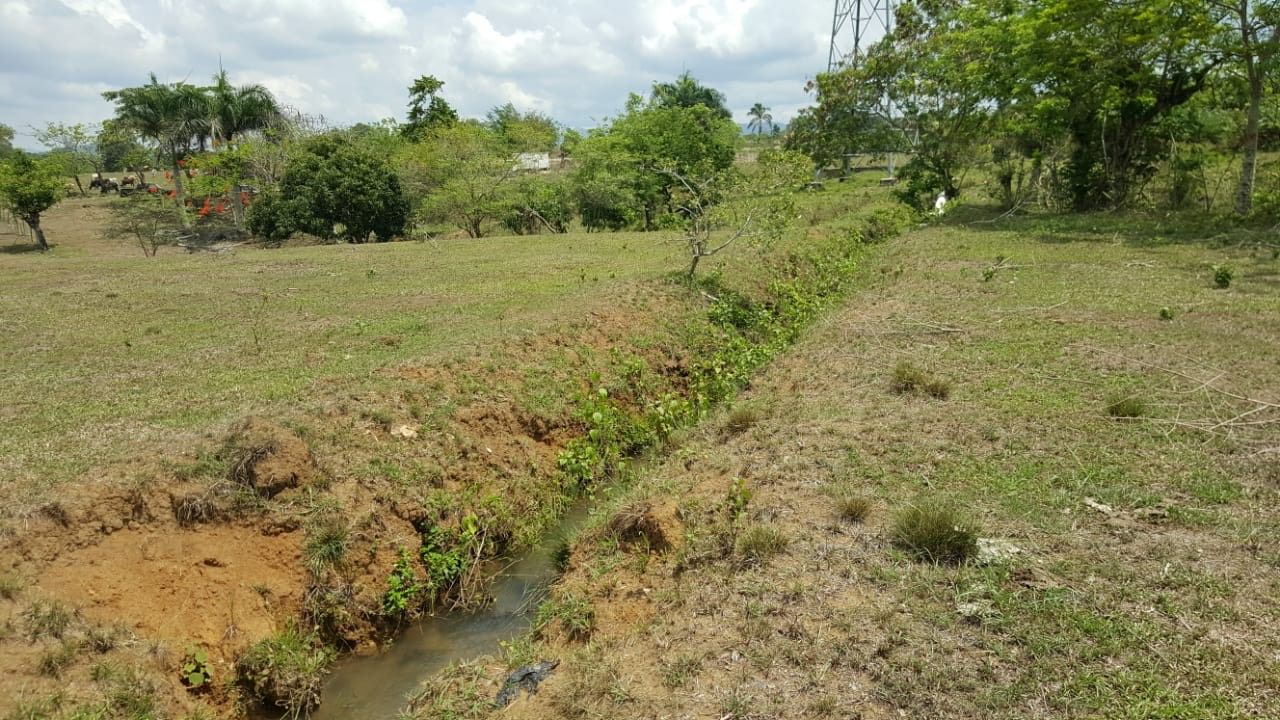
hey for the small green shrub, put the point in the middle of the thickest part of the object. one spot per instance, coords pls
(403, 587)
(739, 498)
(1223, 275)
(196, 670)
(909, 379)
(852, 508)
(1127, 407)
(758, 543)
(286, 670)
(936, 532)
(1166, 313)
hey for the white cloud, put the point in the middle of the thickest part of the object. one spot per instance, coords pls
(352, 60)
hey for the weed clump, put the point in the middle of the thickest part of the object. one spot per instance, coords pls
(1223, 275)
(742, 418)
(573, 613)
(58, 658)
(852, 508)
(47, 619)
(285, 670)
(935, 532)
(1127, 408)
(909, 379)
(758, 543)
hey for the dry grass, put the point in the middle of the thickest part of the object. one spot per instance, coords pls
(1137, 582)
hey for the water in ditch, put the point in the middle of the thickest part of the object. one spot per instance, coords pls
(375, 687)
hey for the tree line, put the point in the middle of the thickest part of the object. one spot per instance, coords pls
(221, 145)
(1078, 104)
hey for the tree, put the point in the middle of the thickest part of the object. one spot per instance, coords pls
(464, 173)
(523, 131)
(754, 205)
(1103, 75)
(620, 161)
(1250, 40)
(760, 117)
(235, 111)
(146, 219)
(120, 148)
(427, 110)
(29, 187)
(175, 116)
(73, 147)
(687, 92)
(6, 141)
(333, 188)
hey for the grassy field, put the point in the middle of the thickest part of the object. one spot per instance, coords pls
(400, 393)
(1100, 413)
(107, 354)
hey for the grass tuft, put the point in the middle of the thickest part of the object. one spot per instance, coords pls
(328, 539)
(742, 418)
(58, 658)
(853, 508)
(911, 380)
(936, 532)
(758, 543)
(1127, 407)
(47, 618)
(573, 613)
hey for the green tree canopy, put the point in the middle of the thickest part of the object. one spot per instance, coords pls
(6, 141)
(28, 187)
(464, 173)
(523, 131)
(333, 188)
(687, 92)
(632, 159)
(427, 109)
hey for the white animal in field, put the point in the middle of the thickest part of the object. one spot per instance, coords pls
(940, 204)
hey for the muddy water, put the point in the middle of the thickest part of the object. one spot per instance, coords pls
(375, 687)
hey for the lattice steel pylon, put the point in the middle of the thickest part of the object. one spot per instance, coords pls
(855, 25)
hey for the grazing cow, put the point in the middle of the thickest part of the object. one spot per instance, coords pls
(128, 181)
(109, 185)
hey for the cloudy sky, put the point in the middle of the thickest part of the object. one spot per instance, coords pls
(352, 60)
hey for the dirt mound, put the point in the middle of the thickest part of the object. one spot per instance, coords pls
(640, 523)
(268, 458)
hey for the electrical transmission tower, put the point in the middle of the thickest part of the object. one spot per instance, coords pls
(855, 25)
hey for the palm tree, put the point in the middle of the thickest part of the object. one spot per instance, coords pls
(233, 112)
(237, 110)
(174, 115)
(760, 117)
